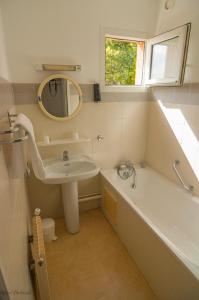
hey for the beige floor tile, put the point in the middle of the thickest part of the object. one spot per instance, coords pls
(93, 264)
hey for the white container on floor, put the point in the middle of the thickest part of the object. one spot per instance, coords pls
(48, 225)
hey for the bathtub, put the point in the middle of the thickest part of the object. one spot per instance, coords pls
(158, 222)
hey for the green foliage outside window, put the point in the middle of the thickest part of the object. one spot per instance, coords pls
(120, 62)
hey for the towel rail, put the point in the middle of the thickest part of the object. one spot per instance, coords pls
(12, 130)
(16, 140)
(9, 131)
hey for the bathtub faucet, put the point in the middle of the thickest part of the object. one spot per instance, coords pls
(125, 170)
(134, 179)
(133, 171)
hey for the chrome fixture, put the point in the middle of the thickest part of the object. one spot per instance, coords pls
(10, 118)
(65, 155)
(13, 140)
(125, 170)
(100, 138)
(17, 140)
(134, 179)
(189, 188)
(11, 131)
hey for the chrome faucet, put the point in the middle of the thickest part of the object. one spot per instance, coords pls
(65, 155)
(134, 179)
(125, 170)
(131, 167)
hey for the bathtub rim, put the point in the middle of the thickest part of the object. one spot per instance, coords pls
(185, 262)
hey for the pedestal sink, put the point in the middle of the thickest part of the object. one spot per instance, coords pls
(68, 173)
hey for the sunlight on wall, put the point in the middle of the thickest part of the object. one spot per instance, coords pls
(184, 134)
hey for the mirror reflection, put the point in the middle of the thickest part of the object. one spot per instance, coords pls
(60, 97)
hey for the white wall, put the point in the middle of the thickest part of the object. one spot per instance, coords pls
(184, 11)
(14, 211)
(68, 32)
(162, 146)
(64, 31)
(123, 126)
(3, 59)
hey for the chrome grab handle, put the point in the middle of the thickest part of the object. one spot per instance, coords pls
(189, 188)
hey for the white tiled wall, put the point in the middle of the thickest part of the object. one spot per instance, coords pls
(163, 147)
(123, 126)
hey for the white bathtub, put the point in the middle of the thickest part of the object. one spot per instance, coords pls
(167, 209)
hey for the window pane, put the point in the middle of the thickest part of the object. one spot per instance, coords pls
(164, 57)
(121, 62)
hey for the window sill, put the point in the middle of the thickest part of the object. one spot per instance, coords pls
(124, 89)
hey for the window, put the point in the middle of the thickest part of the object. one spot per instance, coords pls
(166, 57)
(123, 61)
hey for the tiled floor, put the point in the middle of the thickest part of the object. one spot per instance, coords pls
(93, 264)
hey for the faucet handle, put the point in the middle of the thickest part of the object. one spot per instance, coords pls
(65, 155)
(100, 138)
(129, 163)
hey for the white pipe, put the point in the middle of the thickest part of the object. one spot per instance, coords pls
(90, 197)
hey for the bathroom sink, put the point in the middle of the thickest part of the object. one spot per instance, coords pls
(79, 167)
(68, 173)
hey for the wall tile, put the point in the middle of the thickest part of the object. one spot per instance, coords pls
(122, 124)
(26, 93)
(163, 148)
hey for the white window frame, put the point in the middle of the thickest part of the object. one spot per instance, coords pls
(183, 33)
(120, 34)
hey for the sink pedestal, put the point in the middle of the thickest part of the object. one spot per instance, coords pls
(71, 206)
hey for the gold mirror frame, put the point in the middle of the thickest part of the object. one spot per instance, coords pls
(39, 93)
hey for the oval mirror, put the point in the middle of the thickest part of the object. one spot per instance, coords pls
(59, 97)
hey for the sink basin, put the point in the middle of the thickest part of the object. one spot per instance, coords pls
(77, 168)
(68, 173)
